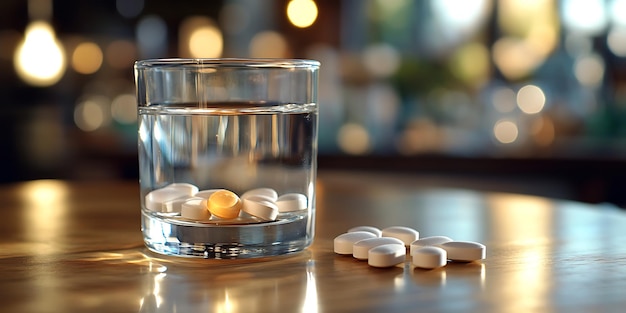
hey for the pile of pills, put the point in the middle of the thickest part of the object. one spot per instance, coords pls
(387, 247)
(191, 203)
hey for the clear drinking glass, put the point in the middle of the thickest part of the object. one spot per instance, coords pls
(227, 155)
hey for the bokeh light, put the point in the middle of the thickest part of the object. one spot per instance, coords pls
(381, 60)
(584, 16)
(92, 113)
(269, 44)
(505, 131)
(471, 64)
(200, 37)
(40, 59)
(531, 99)
(124, 109)
(589, 70)
(302, 13)
(616, 41)
(87, 58)
(206, 42)
(354, 139)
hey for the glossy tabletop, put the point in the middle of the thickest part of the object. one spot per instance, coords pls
(77, 247)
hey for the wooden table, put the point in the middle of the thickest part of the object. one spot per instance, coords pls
(77, 247)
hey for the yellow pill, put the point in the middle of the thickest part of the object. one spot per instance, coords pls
(224, 204)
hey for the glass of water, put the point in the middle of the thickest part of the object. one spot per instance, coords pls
(227, 155)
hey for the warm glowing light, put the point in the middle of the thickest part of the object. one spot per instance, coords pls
(206, 42)
(226, 306)
(87, 58)
(310, 304)
(269, 44)
(515, 58)
(353, 139)
(530, 33)
(40, 58)
(531, 99)
(302, 13)
(589, 70)
(199, 37)
(45, 217)
(505, 131)
(124, 109)
(616, 40)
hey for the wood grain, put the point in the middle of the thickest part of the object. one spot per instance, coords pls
(76, 246)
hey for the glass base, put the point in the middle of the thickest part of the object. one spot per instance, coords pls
(170, 236)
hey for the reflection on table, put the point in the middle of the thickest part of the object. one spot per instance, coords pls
(76, 246)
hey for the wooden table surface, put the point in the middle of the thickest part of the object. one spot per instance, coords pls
(77, 247)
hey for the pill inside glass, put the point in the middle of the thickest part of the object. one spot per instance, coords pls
(227, 156)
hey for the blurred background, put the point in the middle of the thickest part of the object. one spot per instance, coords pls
(513, 95)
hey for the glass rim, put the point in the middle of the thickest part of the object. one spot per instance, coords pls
(226, 62)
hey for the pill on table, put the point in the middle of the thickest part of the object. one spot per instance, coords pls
(290, 202)
(344, 242)
(386, 255)
(154, 200)
(464, 251)
(184, 187)
(224, 204)
(429, 257)
(262, 209)
(266, 192)
(406, 234)
(428, 241)
(206, 193)
(361, 248)
(195, 209)
(370, 229)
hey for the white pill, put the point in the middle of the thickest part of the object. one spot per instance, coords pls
(370, 229)
(290, 202)
(267, 192)
(428, 241)
(429, 257)
(386, 255)
(195, 209)
(344, 242)
(361, 248)
(464, 251)
(406, 234)
(175, 205)
(262, 209)
(154, 200)
(206, 193)
(184, 187)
